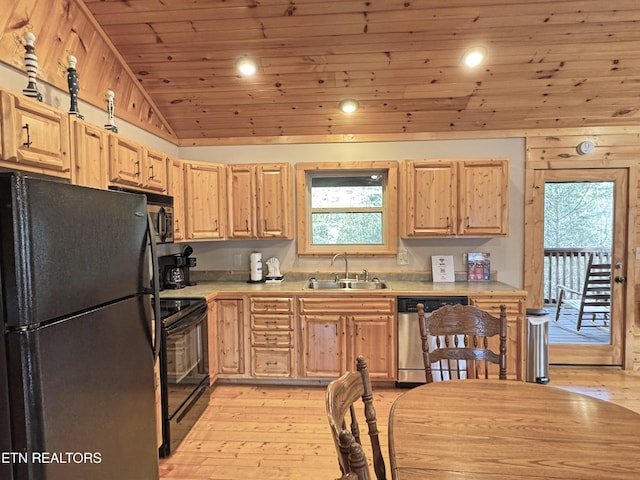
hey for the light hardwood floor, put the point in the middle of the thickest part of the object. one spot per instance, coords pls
(265, 432)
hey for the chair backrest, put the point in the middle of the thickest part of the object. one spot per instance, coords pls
(343, 394)
(457, 342)
(357, 461)
(596, 291)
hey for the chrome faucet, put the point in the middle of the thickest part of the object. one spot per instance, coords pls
(346, 263)
(366, 274)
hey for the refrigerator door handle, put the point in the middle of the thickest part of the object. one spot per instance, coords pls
(155, 285)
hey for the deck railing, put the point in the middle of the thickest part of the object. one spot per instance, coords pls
(567, 266)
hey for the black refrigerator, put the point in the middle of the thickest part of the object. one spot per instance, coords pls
(77, 359)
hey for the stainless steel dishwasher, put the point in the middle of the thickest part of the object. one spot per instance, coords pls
(410, 363)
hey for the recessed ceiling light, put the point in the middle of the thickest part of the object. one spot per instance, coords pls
(247, 66)
(474, 56)
(349, 105)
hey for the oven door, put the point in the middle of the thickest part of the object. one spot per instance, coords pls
(184, 376)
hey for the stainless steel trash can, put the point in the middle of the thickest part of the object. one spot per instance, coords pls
(537, 346)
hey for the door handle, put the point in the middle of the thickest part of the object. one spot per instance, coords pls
(619, 279)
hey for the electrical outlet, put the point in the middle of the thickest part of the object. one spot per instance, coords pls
(237, 259)
(403, 257)
(637, 253)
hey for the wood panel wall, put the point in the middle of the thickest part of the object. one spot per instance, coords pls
(64, 28)
(614, 148)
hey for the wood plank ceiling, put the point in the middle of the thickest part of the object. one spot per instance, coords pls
(550, 63)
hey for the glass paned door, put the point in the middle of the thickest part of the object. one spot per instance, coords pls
(585, 222)
(578, 238)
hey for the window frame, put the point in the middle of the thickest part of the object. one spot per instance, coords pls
(389, 244)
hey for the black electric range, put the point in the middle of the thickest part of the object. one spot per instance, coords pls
(174, 309)
(184, 368)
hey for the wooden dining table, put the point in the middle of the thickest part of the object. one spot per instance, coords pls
(507, 429)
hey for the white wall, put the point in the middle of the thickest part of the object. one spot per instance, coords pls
(506, 253)
(15, 80)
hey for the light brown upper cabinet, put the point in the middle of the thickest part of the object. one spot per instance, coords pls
(175, 188)
(454, 197)
(88, 154)
(34, 137)
(125, 161)
(154, 175)
(259, 201)
(205, 200)
(134, 165)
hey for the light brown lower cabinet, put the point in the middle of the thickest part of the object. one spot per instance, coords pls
(322, 348)
(230, 321)
(212, 341)
(516, 310)
(336, 331)
(319, 337)
(272, 321)
(289, 337)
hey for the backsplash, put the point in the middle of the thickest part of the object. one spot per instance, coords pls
(235, 276)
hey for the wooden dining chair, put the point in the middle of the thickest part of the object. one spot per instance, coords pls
(457, 342)
(356, 459)
(342, 398)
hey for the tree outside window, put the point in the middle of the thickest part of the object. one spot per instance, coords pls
(351, 209)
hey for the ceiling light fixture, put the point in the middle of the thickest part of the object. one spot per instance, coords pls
(348, 105)
(474, 56)
(247, 66)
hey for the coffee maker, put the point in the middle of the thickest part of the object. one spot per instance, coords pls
(175, 269)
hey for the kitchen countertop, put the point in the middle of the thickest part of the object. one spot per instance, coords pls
(212, 289)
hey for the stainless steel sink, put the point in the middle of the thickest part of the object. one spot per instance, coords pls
(345, 284)
(314, 284)
(368, 285)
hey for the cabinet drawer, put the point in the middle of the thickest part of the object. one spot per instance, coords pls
(347, 305)
(491, 305)
(271, 362)
(264, 321)
(271, 339)
(271, 305)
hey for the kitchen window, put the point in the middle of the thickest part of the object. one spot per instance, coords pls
(348, 208)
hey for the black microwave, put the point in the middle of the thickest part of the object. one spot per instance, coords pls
(160, 209)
